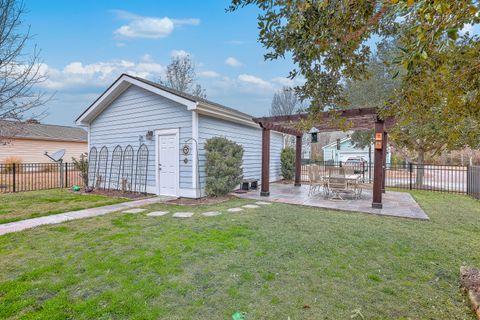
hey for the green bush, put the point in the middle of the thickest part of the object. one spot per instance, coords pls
(223, 166)
(287, 158)
(81, 165)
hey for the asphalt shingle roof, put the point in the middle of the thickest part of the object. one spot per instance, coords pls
(13, 129)
(188, 96)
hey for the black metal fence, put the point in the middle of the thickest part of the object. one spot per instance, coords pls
(18, 177)
(432, 177)
(124, 171)
(473, 181)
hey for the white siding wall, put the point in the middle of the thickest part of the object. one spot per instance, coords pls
(251, 140)
(131, 115)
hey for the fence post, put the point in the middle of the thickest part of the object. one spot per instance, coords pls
(468, 179)
(410, 169)
(60, 165)
(14, 180)
(66, 175)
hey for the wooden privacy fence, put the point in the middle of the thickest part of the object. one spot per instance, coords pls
(18, 177)
(473, 181)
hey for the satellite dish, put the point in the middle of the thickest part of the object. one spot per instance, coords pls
(57, 155)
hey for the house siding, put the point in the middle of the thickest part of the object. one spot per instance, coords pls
(251, 140)
(32, 151)
(131, 115)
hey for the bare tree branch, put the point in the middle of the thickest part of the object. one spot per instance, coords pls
(181, 76)
(285, 102)
(20, 71)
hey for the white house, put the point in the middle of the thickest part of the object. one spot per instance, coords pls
(174, 126)
(344, 149)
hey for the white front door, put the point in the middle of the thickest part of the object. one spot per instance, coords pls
(167, 164)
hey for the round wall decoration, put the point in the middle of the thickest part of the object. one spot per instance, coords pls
(186, 149)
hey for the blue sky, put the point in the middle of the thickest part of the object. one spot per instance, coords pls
(87, 44)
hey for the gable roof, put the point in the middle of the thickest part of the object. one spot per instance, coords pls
(37, 131)
(192, 102)
(342, 140)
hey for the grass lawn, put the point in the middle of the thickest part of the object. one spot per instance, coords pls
(26, 205)
(276, 262)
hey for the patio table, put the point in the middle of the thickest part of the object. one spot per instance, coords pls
(352, 182)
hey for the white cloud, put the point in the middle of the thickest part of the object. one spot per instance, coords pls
(179, 53)
(248, 85)
(235, 42)
(208, 74)
(467, 28)
(181, 22)
(287, 82)
(148, 27)
(78, 76)
(250, 79)
(231, 61)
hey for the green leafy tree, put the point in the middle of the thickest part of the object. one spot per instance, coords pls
(438, 70)
(379, 84)
(223, 166)
(287, 159)
(328, 39)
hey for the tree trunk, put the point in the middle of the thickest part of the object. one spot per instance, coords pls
(420, 168)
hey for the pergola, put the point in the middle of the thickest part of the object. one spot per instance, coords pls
(357, 119)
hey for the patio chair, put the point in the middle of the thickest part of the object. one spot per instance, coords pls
(350, 170)
(337, 183)
(335, 172)
(313, 179)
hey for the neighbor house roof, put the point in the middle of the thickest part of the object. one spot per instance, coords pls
(333, 143)
(36, 131)
(192, 102)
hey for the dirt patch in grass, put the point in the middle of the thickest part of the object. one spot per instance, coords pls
(115, 194)
(201, 201)
(470, 282)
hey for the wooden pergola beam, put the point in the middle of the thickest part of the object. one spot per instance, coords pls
(279, 128)
(356, 119)
(349, 113)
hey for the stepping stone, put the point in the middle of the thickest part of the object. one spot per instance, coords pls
(211, 213)
(157, 213)
(134, 210)
(251, 206)
(182, 214)
(263, 203)
(234, 209)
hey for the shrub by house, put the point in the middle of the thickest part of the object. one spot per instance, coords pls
(287, 158)
(223, 166)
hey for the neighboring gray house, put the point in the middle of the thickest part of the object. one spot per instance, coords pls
(133, 107)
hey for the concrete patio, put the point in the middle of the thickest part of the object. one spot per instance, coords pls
(395, 204)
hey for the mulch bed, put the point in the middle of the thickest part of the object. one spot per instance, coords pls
(201, 201)
(114, 194)
(470, 282)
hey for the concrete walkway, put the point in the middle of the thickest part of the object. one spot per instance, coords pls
(80, 214)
